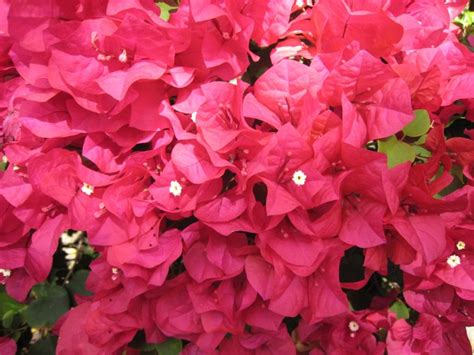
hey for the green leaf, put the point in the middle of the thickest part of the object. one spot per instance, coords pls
(466, 19)
(165, 10)
(52, 301)
(400, 309)
(422, 152)
(77, 284)
(40, 290)
(89, 251)
(421, 140)
(169, 347)
(8, 304)
(457, 183)
(46, 346)
(397, 152)
(7, 319)
(420, 125)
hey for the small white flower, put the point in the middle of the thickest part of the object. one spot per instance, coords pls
(5, 272)
(299, 178)
(35, 335)
(454, 261)
(233, 81)
(87, 189)
(4, 159)
(353, 326)
(289, 49)
(102, 57)
(193, 116)
(123, 57)
(461, 245)
(67, 239)
(393, 285)
(175, 188)
(302, 3)
(71, 253)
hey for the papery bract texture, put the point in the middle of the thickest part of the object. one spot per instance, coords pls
(250, 177)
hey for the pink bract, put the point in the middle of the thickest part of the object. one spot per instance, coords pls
(227, 165)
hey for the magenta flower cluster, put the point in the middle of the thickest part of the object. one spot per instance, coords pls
(224, 189)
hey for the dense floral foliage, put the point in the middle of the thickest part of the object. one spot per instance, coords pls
(246, 176)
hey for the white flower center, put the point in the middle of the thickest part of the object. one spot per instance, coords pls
(460, 245)
(175, 188)
(5, 272)
(115, 271)
(193, 116)
(454, 261)
(353, 326)
(87, 189)
(299, 178)
(123, 57)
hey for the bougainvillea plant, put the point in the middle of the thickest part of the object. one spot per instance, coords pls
(236, 177)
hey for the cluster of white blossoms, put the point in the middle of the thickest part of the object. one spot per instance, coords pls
(455, 260)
